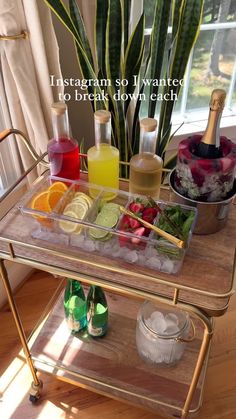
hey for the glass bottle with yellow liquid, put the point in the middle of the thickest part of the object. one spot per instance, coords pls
(103, 158)
(146, 167)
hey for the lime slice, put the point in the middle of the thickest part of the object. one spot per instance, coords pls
(107, 219)
(111, 206)
(97, 233)
(68, 226)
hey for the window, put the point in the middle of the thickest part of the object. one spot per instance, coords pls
(212, 62)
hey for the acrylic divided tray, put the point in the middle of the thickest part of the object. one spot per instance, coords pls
(82, 217)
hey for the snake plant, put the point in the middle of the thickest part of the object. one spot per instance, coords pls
(121, 55)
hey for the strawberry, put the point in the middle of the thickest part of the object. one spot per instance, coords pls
(134, 223)
(197, 177)
(206, 164)
(123, 240)
(136, 207)
(147, 232)
(138, 232)
(125, 222)
(149, 214)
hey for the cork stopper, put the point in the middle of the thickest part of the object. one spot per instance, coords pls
(217, 101)
(102, 116)
(59, 108)
(148, 124)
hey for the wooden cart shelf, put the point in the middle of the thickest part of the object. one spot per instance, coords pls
(103, 366)
(112, 365)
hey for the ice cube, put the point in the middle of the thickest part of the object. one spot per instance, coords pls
(157, 322)
(77, 240)
(116, 250)
(171, 326)
(172, 317)
(153, 263)
(89, 245)
(167, 266)
(106, 247)
(131, 256)
(150, 252)
(141, 258)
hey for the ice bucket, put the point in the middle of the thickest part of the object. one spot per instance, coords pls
(212, 216)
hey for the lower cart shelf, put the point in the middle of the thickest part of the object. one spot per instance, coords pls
(111, 365)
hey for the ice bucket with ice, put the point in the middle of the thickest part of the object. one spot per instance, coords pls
(161, 334)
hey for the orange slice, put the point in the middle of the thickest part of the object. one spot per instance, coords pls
(58, 186)
(54, 197)
(40, 202)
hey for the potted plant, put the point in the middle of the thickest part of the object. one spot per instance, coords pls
(123, 59)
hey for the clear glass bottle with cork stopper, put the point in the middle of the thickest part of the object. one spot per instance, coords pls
(63, 151)
(146, 167)
(103, 158)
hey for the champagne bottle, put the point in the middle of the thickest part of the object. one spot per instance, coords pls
(209, 146)
(75, 306)
(97, 312)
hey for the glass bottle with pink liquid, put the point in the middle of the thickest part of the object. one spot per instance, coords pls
(63, 151)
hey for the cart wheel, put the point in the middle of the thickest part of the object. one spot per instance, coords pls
(35, 392)
(33, 399)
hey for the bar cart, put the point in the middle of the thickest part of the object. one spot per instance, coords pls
(111, 366)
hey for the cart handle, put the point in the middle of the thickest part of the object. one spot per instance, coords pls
(4, 134)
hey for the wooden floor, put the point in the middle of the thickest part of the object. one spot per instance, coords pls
(60, 400)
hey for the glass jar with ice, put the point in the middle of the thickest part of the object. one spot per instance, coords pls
(160, 334)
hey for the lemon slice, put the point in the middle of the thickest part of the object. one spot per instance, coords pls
(79, 208)
(68, 226)
(82, 195)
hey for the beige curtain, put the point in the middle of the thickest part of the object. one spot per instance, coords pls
(26, 65)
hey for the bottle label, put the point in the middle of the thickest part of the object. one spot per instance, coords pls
(73, 324)
(95, 331)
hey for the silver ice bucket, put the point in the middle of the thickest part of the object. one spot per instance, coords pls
(212, 216)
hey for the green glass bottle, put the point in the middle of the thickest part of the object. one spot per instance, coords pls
(75, 306)
(97, 312)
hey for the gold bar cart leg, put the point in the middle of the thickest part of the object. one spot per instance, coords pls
(208, 333)
(36, 385)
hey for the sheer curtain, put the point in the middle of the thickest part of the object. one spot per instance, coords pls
(25, 66)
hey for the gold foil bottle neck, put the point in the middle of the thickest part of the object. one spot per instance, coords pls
(217, 101)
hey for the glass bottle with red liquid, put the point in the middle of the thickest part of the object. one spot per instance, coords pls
(63, 151)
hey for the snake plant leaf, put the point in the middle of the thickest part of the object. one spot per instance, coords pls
(133, 58)
(100, 34)
(135, 125)
(88, 74)
(126, 6)
(188, 29)
(176, 13)
(58, 7)
(86, 68)
(79, 25)
(171, 161)
(113, 42)
(158, 42)
(120, 129)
